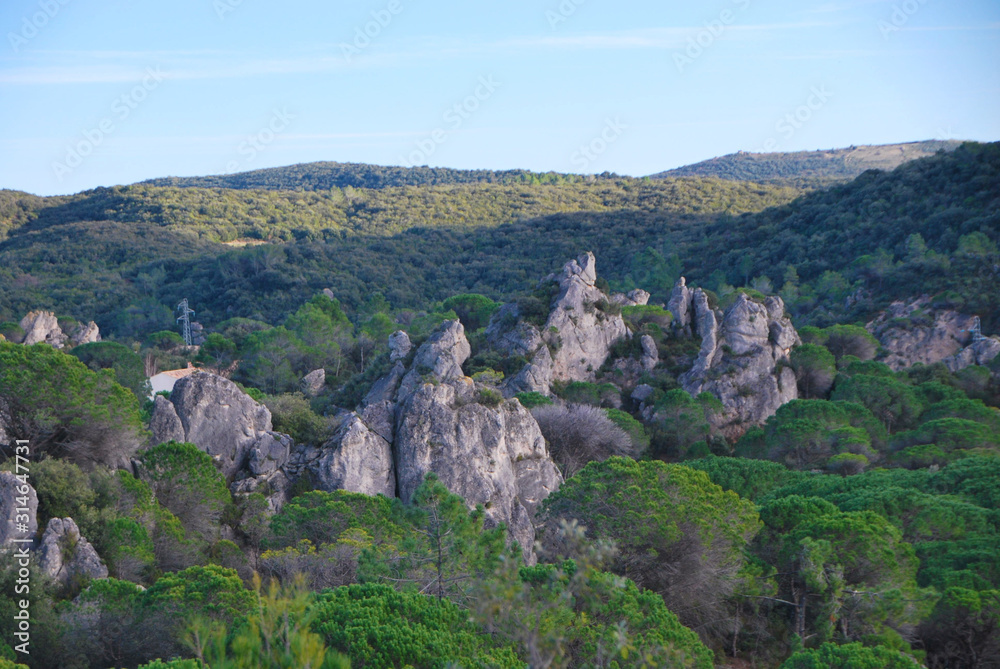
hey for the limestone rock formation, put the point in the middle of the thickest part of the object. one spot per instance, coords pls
(981, 352)
(64, 553)
(650, 355)
(916, 332)
(42, 326)
(212, 413)
(680, 305)
(633, 298)
(421, 418)
(86, 334)
(399, 346)
(580, 331)
(313, 382)
(741, 360)
(11, 498)
(356, 459)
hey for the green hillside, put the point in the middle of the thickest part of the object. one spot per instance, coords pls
(110, 252)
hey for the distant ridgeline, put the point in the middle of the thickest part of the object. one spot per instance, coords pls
(123, 256)
(811, 169)
(327, 175)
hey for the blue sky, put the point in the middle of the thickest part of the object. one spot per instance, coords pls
(105, 92)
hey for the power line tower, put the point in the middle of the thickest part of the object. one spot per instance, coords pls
(977, 331)
(185, 320)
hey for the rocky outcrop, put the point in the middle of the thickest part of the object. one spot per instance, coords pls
(680, 305)
(916, 332)
(86, 334)
(63, 553)
(581, 328)
(490, 455)
(742, 360)
(399, 346)
(313, 383)
(212, 413)
(650, 355)
(633, 298)
(981, 352)
(42, 326)
(356, 459)
(15, 495)
(419, 418)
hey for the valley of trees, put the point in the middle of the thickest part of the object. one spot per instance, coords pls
(858, 527)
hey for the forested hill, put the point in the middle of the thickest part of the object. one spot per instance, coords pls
(326, 175)
(125, 256)
(810, 169)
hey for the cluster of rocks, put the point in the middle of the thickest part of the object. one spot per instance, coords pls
(916, 332)
(61, 553)
(423, 416)
(43, 326)
(575, 340)
(742, 357)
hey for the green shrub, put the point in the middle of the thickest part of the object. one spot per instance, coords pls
(532, 400)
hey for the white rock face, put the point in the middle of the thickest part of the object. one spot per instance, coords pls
(741, 358)
(42, 326)
(64, 553)
(10, 501)
(916, 332)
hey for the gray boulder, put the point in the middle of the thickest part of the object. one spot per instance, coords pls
(212, 413)
(399, 346)
(742, 360)
(64, 553)
(356, 459)
(633, 298)
(11, 526)
(650, 355)
(313, 383)
(42, 326)
(86, 334)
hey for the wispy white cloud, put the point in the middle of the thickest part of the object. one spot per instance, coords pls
(106, 66)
